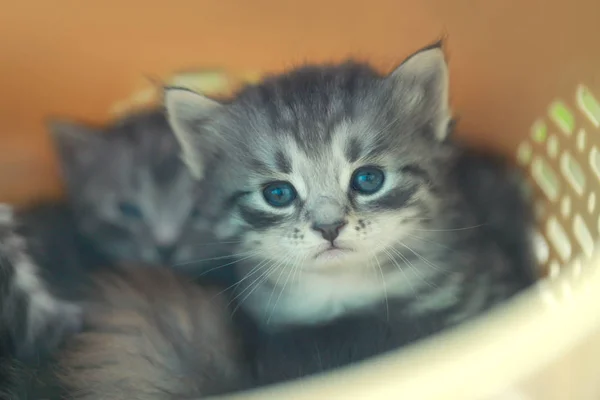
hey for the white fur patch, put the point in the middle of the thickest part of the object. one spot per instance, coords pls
(313, 296)
(42, 306)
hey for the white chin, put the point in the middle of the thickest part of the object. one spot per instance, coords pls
(332, 256)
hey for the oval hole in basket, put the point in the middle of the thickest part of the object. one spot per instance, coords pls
(588, 105)
(542, 251)
(591, 202)
(546, 178)
(595, 161)
(581, 139)
(539, 132)
(571, 170)
(558, 238)
(552, 146)
(565, 206)
(563, 117)
(583, 235)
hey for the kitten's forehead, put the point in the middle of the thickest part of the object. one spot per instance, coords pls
(308, 103)
(320, 112)
(177, 191)
(142, 163)
(317, 158)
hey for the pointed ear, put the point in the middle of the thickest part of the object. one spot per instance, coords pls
(77, 144)
(421, 84)
(188, 113)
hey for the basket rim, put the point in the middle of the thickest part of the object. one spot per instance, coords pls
(536, 327)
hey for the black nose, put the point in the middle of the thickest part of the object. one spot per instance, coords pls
(166, 252)
(329, 231)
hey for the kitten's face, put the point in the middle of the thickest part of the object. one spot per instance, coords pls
(340, 205)
(324, 167)
(133, 195)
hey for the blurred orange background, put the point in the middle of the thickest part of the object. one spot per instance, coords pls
(508, 58)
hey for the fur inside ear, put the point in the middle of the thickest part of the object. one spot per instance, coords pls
(187, 113)
(76, 144)
(422, 86)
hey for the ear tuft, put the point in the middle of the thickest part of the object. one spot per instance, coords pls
(422, 86)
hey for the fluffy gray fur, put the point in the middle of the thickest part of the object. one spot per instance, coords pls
(415, 241)
(130, 191)
(153, 335)
(68, 330)
(32, 318)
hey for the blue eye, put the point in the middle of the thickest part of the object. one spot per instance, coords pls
(130, 210)
(279, 194)
(367, 180)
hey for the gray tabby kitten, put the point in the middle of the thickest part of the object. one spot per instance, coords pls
(153, 335)
(338, 183)
(135, 333)
(131, 193)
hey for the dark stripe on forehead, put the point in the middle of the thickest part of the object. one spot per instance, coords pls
(353, 150)
(282, 162)
(258, 166)
(394, 199)
(380, 145)
(259, 219)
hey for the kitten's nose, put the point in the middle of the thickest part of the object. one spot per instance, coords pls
(166, 252)
(329, 231)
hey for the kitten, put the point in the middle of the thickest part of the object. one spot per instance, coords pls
(70, 329)
(131, 193)
(493, 190)
(153, 335)
(339, 184)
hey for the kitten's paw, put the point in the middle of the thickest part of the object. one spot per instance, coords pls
(48, 326)
(30, 315)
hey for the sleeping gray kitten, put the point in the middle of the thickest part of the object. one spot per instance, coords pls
(152, 334)
(130, 191)
(71, 330)
(339, 184)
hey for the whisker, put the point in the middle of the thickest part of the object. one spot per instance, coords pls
(391, 257)
(430, 241)
(199, 260)
(298, 257)
(227, 264)
(387, 307)
(412, 267)
(255, 269)
(262, 279)
(285, 261)
(220, 242)
(425, 260)
(450, 230)
(253, 286)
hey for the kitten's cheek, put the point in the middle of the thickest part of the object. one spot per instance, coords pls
(227, 229)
